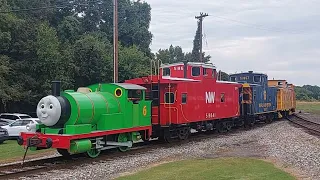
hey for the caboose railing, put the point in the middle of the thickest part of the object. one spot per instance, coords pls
(155, 87)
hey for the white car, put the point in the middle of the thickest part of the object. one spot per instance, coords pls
(7, 118)
(15, 128)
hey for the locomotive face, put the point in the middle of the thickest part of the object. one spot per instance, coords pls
(49, 110)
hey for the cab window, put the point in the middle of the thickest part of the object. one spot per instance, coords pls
(195, 71)
(257, 78)
(233, 79)
(169, 98)
(135, 94)
(166, 72)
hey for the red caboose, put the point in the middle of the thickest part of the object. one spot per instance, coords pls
(188, 95)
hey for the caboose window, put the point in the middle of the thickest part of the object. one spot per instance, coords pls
(166, 72)
(222, 97)
(169, 98)
(184, 98)
(195, 71)
(257, 78)
(205, 72)
(214, 72)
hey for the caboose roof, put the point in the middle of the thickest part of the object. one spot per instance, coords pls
(228, 82)
(129, 86)
(178, 79)
(205, 65)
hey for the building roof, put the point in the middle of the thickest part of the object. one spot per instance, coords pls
(129, 86)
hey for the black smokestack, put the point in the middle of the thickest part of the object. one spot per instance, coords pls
(56, 88)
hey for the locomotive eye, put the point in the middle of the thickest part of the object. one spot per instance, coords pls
(42, 106)
(51, 106)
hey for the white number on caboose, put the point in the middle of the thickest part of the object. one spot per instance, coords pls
(210, 97)
(210, 115)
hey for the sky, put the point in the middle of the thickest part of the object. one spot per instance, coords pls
(278, 37)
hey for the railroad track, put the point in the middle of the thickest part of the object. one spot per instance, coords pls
(33, 168)
(305, 123)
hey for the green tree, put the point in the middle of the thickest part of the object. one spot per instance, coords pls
(7, 91)
(132, 63)
(171, 55)
(47, 44)
(195, 54)
(93, 60)
(222, 76)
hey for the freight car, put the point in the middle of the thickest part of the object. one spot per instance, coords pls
(166, 105)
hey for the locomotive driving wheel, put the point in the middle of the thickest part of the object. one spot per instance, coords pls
(93, 153)
(123, 138)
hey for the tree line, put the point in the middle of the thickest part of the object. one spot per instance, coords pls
(307, 93)
(72, 41)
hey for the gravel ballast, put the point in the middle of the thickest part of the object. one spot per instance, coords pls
(289, 147)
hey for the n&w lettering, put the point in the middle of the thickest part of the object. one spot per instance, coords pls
(210, 97)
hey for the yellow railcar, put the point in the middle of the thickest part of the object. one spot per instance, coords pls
(286, 98)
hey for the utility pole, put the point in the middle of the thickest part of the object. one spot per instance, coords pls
(115, 41)
(200, 18)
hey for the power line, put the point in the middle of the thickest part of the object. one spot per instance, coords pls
(48, 7)
(251, 24)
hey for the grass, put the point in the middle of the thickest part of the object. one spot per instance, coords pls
(218, 169)
(10, 150)
(311, 107)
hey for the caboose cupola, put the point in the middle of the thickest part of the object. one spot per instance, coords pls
(188, 70)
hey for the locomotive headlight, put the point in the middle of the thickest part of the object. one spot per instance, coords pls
(31, 127)
(28, 127)
(49, 110)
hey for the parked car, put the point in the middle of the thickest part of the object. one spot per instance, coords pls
(7, 118)
(14, 129)
(3, 122)
(3, 135)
